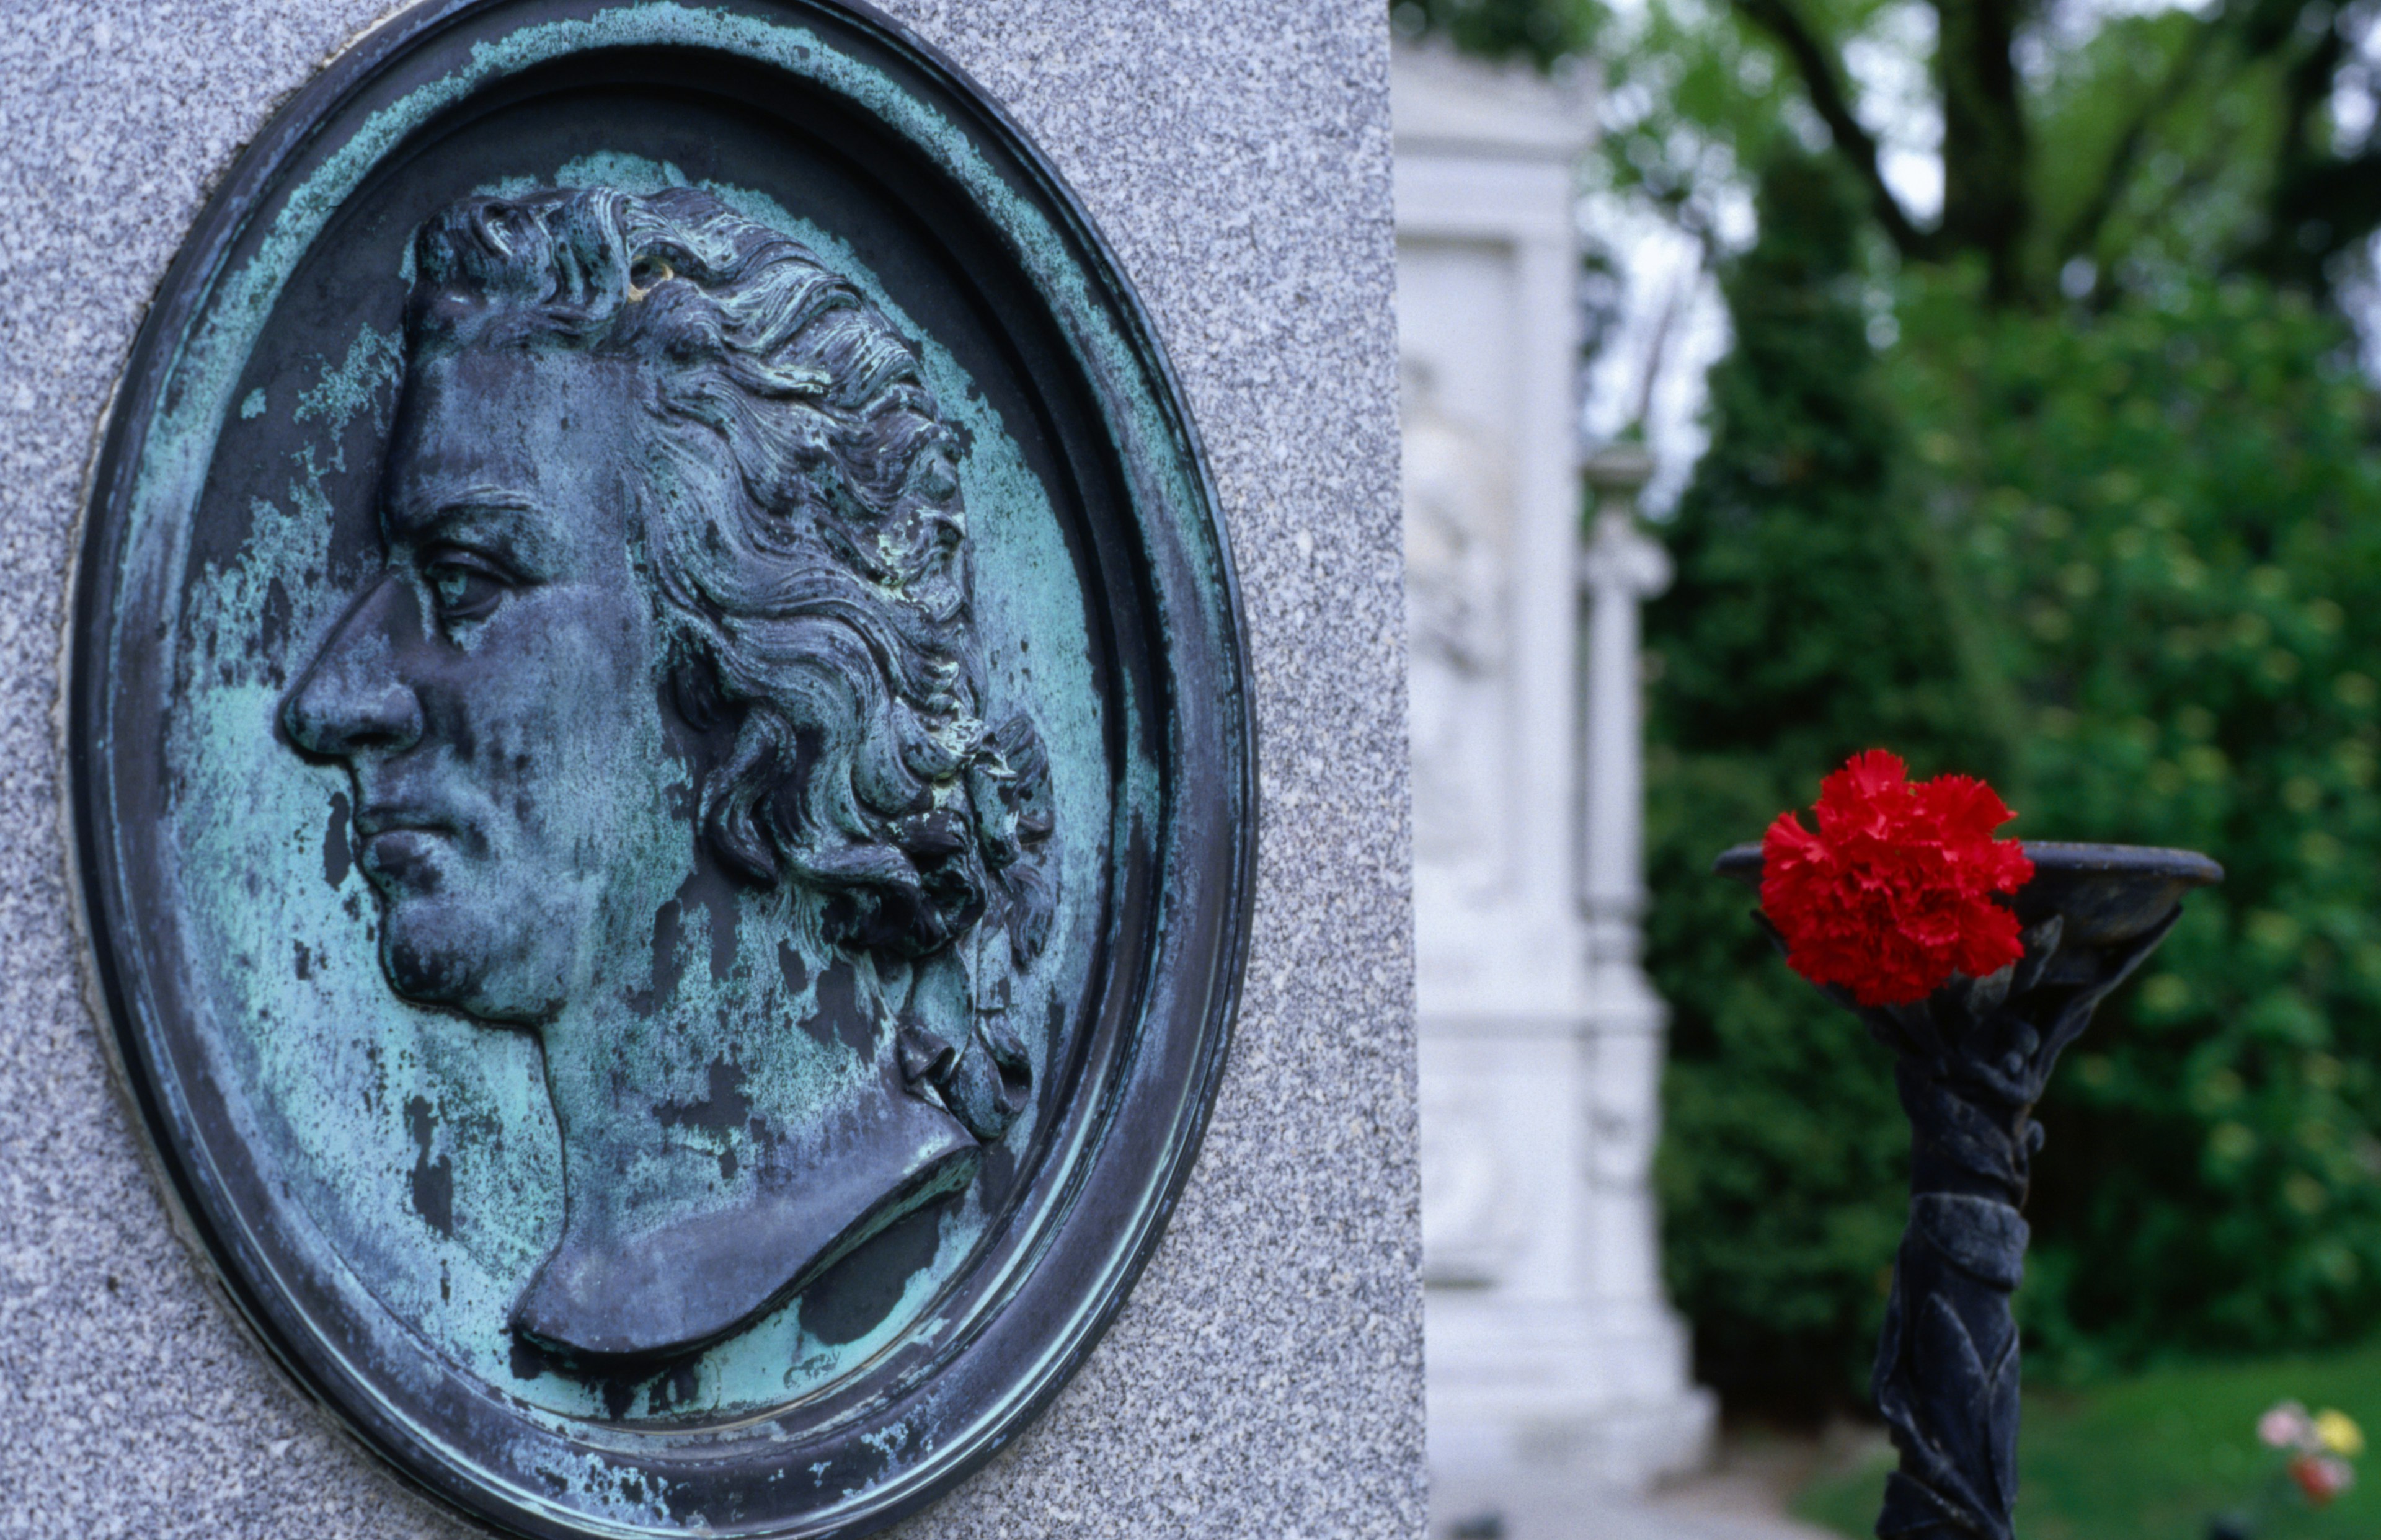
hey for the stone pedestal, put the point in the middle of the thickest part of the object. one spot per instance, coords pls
(1549, 1341)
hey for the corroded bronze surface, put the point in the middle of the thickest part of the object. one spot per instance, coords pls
(661, 780)
(670, 648)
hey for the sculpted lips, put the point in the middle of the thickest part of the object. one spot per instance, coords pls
(397, 847)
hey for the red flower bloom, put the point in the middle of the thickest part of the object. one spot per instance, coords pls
(1894, 893)
(2322, 1477)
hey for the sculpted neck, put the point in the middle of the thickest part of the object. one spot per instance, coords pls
(723, 1146)
(657, 1115)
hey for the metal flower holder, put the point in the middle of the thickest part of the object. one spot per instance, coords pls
(1971, 1060)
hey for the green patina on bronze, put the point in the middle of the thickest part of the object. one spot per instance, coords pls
(422, 1140)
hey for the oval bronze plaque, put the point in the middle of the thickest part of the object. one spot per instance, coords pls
(662, 773)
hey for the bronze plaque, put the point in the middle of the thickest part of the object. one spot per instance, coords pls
(662, 768)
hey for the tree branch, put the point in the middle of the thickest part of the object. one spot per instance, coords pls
(2082, 232)
(2318, 203)
(1816, 66)
(2327, 207)
(1987, 191)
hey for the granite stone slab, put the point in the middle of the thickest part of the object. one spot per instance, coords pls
(1267, 1377)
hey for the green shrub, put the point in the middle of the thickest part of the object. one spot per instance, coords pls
(2174, 513)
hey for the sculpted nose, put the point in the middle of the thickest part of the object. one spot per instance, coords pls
(352, 698)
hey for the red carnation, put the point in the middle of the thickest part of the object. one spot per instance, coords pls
(1894, 893)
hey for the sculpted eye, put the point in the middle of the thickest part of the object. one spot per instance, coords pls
(462, 587)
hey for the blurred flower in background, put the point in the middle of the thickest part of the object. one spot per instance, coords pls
(2338, 1434)
(2321, 1477)
(2320, 1449)
(2285, 1426)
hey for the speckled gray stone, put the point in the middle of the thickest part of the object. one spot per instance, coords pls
(1266, 1377)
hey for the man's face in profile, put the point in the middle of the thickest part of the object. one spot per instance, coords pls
(495, 691)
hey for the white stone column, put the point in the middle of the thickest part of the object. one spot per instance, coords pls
(1549, 1345)
(1620, 567)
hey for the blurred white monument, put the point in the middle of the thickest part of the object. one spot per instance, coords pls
(1550, 1346)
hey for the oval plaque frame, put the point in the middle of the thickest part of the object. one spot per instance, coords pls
(965, 213)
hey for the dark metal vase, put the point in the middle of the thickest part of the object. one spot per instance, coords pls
(1971, 1060)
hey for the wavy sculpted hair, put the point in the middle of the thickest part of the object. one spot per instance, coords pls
(806, 542)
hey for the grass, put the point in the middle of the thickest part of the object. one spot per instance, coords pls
(2154, 1458)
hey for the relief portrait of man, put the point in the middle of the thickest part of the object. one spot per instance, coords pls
(665, 725)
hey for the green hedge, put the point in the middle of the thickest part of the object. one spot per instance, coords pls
(2127, 565)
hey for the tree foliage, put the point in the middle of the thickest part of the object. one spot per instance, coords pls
(2173, 511)
(2083, 146)
(1542, 32)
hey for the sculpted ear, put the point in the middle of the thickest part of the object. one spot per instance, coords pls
(737, 796)
(739, 755)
